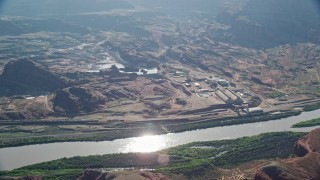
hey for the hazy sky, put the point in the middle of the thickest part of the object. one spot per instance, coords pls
(45, 7)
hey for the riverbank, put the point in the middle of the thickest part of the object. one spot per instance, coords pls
(64, 133)
(308, 123)
(192, 160)
(14, 157)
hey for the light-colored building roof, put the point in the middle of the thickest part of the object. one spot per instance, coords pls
(255, 109)
(231, 95)
(222, 96)
(179, 73)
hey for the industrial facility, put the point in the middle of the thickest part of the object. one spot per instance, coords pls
(229, 96)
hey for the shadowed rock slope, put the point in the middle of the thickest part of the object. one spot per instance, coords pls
(74, 100)
(24, 77)
(309, 143)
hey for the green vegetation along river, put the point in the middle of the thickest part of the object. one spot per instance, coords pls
(192, 160)
(309, 123)
(15, 157)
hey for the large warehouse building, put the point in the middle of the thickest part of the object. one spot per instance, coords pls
(228, 96)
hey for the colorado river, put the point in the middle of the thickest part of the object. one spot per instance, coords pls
(15, 157)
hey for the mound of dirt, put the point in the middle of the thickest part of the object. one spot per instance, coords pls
(309, 143)
(75, 100)
(134, 175)
(27, 77)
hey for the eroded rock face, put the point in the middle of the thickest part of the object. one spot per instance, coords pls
(27, 77)
(309, 143)
(305, 167)
(75, 100)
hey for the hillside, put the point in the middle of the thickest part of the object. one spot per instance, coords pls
(265, 24)
(304, 167)
(25, 77)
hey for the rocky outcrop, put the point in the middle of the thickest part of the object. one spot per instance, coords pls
(27, 77)
(305, 167)
(309, 143)
(136, 175)
(74, 100)
(113, 71)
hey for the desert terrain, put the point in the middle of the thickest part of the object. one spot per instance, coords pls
(135, 64)
(119, 69)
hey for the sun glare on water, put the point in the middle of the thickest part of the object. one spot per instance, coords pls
(146, 143)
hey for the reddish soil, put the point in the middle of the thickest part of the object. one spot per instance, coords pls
(306, 166)
(133, 175)
(309, 143)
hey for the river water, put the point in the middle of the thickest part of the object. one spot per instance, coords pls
(15, 157)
